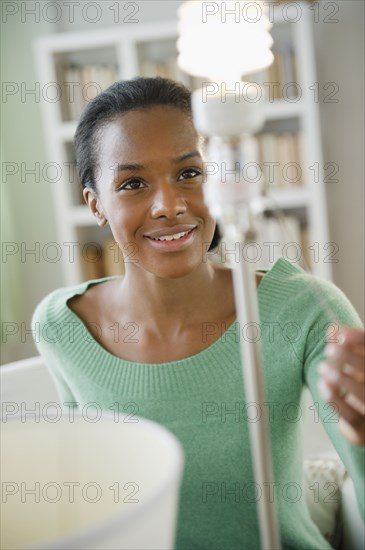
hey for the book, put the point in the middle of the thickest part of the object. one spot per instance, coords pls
(91, 261)
(268, 155)
(279, 236)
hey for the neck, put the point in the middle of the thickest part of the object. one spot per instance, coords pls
(165, 303)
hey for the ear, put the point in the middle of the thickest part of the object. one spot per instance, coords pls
(94, 203)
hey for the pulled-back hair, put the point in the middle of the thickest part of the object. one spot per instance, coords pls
(123, 96)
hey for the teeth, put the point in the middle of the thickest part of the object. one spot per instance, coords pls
(172, 237)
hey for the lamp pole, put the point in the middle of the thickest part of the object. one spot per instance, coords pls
(224, 40)
(226, 121)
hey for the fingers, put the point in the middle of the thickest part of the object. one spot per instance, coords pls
(342, 381)
(343, 384)
(355, 403)
(348, 336)
(352, 421)
(352, 357)
(357, 437)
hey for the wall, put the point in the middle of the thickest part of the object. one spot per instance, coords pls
(340, 59)
(26, 220)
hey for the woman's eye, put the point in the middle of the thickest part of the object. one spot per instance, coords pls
(189, 173)
(132, 184)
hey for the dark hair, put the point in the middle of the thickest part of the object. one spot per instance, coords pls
(121, 97)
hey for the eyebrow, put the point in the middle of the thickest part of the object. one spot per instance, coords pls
(132, 166)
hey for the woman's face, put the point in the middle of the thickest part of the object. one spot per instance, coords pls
(150, 189)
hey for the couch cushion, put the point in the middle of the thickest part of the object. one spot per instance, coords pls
(324, 478)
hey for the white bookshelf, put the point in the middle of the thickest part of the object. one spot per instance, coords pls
(127, 50)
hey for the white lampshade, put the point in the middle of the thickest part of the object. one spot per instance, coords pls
(224, 39)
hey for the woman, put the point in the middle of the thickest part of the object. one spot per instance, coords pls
(163, 340)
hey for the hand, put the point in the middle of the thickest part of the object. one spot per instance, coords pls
(342, 381)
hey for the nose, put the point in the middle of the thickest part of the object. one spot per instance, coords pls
(168, 201)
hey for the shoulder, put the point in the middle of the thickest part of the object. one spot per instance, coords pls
(96, 301)
(289, 288)
(54, 306)
(51, 304)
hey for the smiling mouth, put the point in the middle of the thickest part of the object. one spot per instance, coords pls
(174, 237)
(174, 242)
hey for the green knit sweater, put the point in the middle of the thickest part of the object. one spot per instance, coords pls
(201, 400)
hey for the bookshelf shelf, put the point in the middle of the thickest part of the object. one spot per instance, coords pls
(281, 109)
(292, 198)
(292, 127)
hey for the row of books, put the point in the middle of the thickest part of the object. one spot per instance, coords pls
(276, 79)
(84, 83)
(277, 237)
(104, 260)
(278, 156)
(284, 149)
(170, 69)
(167, 68)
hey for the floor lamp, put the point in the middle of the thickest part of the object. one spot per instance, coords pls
(224, 40)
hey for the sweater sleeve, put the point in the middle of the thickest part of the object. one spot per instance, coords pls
(333, 309)
(45, 328)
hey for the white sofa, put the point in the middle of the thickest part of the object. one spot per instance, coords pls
(29, 381)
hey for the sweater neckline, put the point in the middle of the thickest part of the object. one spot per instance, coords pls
(264, 289)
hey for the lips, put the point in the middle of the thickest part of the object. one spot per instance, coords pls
(173, 231)
(172, 239)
